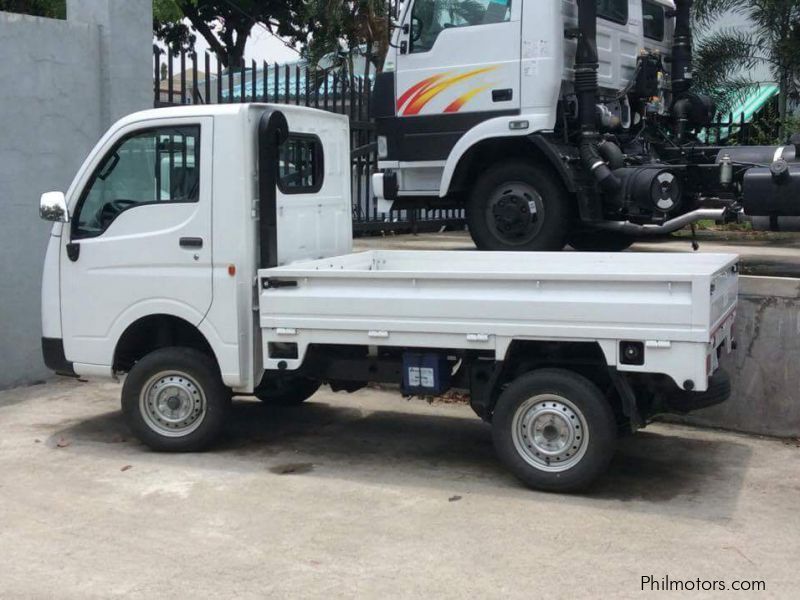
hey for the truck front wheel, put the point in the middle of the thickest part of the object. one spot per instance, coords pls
(554, 430)
(518, 206)
(174, 400)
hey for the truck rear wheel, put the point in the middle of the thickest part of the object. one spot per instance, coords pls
(554, 430)
(286, 390)
(518, 206)
(174, 400)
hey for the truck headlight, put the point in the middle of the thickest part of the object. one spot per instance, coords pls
(383, 147)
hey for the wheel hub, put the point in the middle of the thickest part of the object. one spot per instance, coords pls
(550, 433)
(172, 404)
(514, 212)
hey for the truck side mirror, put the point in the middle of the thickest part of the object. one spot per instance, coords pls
(53, 207)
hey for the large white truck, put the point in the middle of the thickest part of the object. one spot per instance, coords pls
(205, 252)
(562, 121)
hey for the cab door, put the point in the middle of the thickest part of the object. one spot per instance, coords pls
(458, 64)
(139, 240)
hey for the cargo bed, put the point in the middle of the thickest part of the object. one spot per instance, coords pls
(484, 301)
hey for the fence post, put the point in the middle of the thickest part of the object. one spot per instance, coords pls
(207, 58)
(254, 81)
(170, 91)
(156, 77)
(183, 76)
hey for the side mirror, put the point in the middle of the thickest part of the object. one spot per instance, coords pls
(53, 207)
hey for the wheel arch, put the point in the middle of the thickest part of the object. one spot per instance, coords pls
(152, 332)
(461, 173)
(588, 358)
(585, 357)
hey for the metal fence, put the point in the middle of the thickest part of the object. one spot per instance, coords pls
(189, 78)
(730, 129)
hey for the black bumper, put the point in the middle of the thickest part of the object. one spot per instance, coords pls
(54, 358)
(719, 390)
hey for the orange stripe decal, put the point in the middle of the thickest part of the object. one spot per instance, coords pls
(433, 89)
(458, 104)
(418, 88)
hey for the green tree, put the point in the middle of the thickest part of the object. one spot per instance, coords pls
(170, 27)
(724, 58)
(54, 9)
(341, 29)
(226, 24)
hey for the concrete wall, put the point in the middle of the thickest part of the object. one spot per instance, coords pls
(62, 83)
(765, 367)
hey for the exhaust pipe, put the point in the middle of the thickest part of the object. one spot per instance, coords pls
(689, 110)
(682, 48)
(586, 66)
(712, 214)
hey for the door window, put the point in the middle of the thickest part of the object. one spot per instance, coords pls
(653, 17)
(430, 17)
(147, 167)
(613, 10)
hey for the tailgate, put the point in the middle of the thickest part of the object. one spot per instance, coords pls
(724, 294)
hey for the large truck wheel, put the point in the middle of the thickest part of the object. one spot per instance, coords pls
(518, 206)
(554, 430)
(600, 241)
(286, 390)
(174, 400)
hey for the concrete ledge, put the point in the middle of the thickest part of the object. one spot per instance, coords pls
(765, 368)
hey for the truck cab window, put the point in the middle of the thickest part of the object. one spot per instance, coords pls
(157, 165)
(300, 164)
(613, 10)
(430, 17)
(653, 20)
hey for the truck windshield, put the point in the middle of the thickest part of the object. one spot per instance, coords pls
(431, 17)
(653, 20)
(613, 10)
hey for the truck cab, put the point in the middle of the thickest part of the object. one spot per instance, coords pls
(149, 250)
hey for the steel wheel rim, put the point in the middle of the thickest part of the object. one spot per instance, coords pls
(172, 404)
(515, 213)
(550, 433)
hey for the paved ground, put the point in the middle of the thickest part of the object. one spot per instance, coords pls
(776, 255)
(371, 496)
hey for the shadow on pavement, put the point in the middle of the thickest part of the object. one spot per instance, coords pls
(652, 472)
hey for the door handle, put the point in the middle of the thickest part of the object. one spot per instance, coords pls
(505, 95)
(73, 251)
(191, 242)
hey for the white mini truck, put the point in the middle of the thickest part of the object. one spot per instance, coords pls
(206, 252)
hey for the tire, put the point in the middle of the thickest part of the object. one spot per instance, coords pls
(518, 206)
(287, 391)
(574, 430)
(187, 377)
(600, 241)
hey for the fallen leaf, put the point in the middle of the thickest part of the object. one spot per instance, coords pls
(126, 467)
